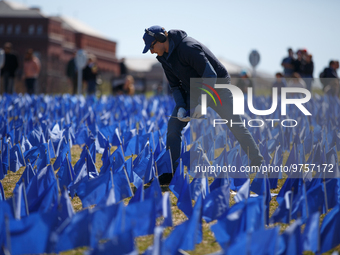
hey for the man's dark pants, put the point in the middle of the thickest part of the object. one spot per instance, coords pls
(240, 132)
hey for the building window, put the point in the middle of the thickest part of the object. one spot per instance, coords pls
(39, 30)
(31, 29)
(2, 29)
(17, 29)
(9, 29)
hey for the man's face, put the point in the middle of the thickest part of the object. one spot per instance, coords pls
(158, 48)
(7, 49)
(290, 53)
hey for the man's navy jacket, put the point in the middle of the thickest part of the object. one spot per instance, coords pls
(187, 58)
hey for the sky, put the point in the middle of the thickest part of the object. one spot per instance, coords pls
(231, 29)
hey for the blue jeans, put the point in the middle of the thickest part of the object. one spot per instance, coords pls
(240, 132)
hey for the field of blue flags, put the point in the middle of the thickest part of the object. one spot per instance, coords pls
(123, 200)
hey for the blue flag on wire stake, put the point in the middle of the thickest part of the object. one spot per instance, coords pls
(16, 158)
(329, 237)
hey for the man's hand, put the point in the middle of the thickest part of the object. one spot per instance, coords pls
(197, 112)
(182, 115)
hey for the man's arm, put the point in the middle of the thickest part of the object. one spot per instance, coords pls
(195, 57)
(175, 87)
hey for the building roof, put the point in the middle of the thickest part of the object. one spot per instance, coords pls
(12, 9)
(140, 64)
(79, 27)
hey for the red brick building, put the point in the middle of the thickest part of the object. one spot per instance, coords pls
(53, 39)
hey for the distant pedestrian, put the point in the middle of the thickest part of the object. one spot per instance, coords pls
(31, 71)
(298, 62)
(279, 83)
(9, 68)
(307, 70)
(330, 79)
(288, 64)
(72, 73)
(296, 81)
(244, 82)
(129, 85)
(90, 73)
(123, 68)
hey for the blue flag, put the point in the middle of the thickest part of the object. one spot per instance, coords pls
(177, 180)
(122, 188)
(40, 184)
(16, 158)
(292, 239)
(193, 233)
(2, 192)
(216, 203)
(250, 243)
(65, 174)
(139, 195)
(199, 186)
(81, 135)
(140, 217)
(245, 216)
(311, 234)
(75, 234)
(243, 192)
(3, 170)
(101, 218)
(184, 200)
(186, 235)
(116, 160)
(150, 171)
(117, 245)
(27, 176)
(32, 233)
(19, 202)
(167, 213)
(62, 151)
(164, 164)
(155, 192)
(82, 176)
(156, 248)
(66, 210)
(92, 191)
(329, 237)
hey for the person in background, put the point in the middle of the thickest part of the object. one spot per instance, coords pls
(31, 71)
(307, 70)
(298, 62)
(123, 68)
(129, 86)
(9, 68)
(279, 83)
(288, 64)
(72, 73)
(296, 81)
(90, 73)
(244, 82)
(330, 78)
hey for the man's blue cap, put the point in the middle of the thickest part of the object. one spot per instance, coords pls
(148, 39)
